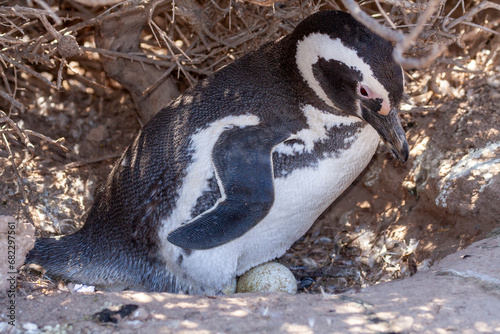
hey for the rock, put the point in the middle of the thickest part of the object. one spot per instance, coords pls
(140, 314)
(114, 314)
(97, 134)
(468, 178)
(68, 47)
(30, 327)
(81, 288)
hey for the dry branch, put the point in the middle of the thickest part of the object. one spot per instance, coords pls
(14, 167)
(429, 12)
(470, 15)
(21, 133)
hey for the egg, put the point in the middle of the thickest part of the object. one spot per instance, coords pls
(267, 277)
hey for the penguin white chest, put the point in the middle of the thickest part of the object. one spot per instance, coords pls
(304, 193)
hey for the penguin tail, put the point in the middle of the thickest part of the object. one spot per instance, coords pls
(104, 265)
(60, 257)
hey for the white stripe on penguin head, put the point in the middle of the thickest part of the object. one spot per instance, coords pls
(315, 46)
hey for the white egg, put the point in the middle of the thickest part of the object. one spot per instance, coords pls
(267, 277)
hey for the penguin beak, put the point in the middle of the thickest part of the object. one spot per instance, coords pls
(390, 129)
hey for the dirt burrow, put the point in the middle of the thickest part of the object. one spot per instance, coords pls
(460, 293)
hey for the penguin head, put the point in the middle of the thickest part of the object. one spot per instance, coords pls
(351, 69)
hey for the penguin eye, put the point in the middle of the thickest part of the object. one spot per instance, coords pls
(364, 91)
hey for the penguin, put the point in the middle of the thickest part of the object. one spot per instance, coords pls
(231, 173)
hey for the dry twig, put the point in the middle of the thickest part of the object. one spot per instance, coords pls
(14, 167)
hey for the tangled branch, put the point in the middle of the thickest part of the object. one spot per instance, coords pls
(429, 21)
(188, 39)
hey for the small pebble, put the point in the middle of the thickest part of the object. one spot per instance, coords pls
(80, 288)
(140, 314)
(30, 327)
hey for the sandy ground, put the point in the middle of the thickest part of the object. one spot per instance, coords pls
(460, 294)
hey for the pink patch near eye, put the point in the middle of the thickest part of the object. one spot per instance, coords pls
(366, 92)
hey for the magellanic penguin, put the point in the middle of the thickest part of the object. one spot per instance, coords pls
(237, 168)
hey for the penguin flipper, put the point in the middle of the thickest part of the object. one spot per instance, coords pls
(243, 167)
